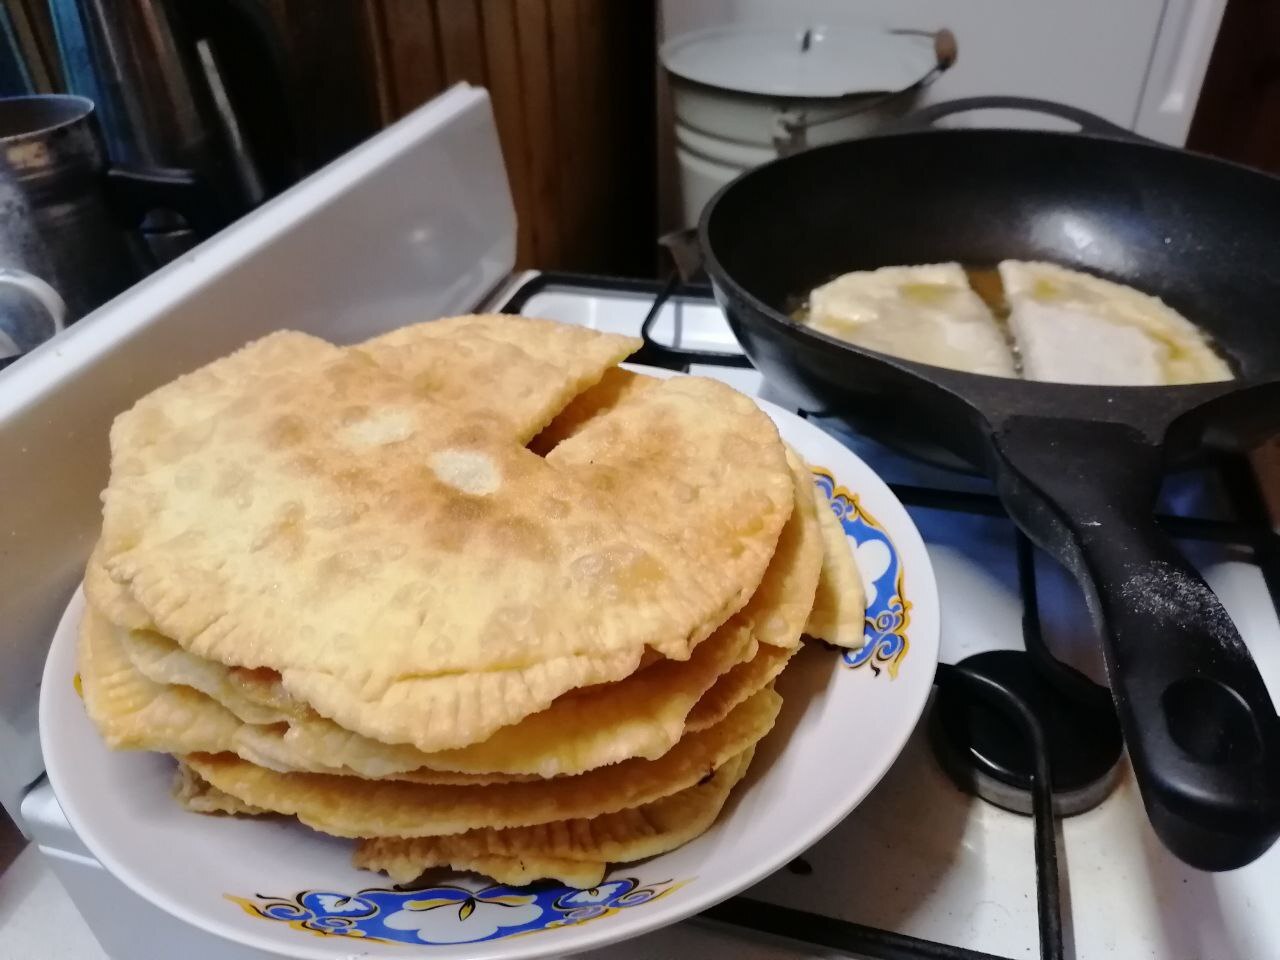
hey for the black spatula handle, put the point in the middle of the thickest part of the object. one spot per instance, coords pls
(1201, 730)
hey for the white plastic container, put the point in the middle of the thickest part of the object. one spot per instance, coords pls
(745, 95)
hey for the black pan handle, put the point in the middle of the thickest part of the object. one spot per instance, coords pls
(1090, 123)
(1201, 730)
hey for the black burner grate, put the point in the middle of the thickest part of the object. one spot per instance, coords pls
(1249, 527)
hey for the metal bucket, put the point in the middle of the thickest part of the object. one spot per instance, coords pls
(745, 96)
(62, 250)
(69, 222)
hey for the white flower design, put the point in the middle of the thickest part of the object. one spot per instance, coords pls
(336, 903)
(449, 920)
(600, 894)
(873, 560)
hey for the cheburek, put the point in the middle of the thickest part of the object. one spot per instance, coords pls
(133, 713)
(166, 422)
(512, 373)
(409, 576)
(352, 807)
(571, 851)
(777, 612)
(780, 605)
(737, 686)
(161, 660)
(336, 584)
(137, 713)
(265, 688)
(614, 387)
(840, 605)
(198, 796)
(110, 598)
(698, 464)
(1073, 327)
(925, 313)
(642, 715)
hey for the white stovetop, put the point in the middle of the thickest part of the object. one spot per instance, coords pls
(917, 856)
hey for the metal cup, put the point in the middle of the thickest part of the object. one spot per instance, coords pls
(63, 250)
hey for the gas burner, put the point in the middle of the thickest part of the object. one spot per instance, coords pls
(986, 752)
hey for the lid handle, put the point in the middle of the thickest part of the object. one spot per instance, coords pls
(945, 49)
(793, 124)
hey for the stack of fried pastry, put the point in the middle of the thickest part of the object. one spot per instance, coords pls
(469, 593)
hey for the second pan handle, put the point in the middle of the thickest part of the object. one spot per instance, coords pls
(1202, 732)
(1089, 123)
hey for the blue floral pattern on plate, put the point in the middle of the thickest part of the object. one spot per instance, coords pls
(450, 914)
(888, 611)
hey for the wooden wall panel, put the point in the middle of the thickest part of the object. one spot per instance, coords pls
(547, 150)
(570, 77)
(414, 53)
(573, 88)
(328, 52)
(33, 25)
(1238, 114)
(572, 83)
(502, 72)
(597, 120)
(461, 41)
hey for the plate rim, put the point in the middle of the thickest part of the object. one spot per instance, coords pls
(907, 539)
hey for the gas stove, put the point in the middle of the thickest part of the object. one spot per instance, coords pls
(921, 869)
(924, 868)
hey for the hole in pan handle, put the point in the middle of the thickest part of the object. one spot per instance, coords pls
(1090, 123)
(1202, 732)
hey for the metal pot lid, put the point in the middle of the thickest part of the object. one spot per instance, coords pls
(815, 61)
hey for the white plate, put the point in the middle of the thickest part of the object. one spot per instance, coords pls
(277, 886)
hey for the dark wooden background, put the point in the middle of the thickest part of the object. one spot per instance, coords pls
(578, 100)
(572, 83)
(1238, 115)
(573, 88)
